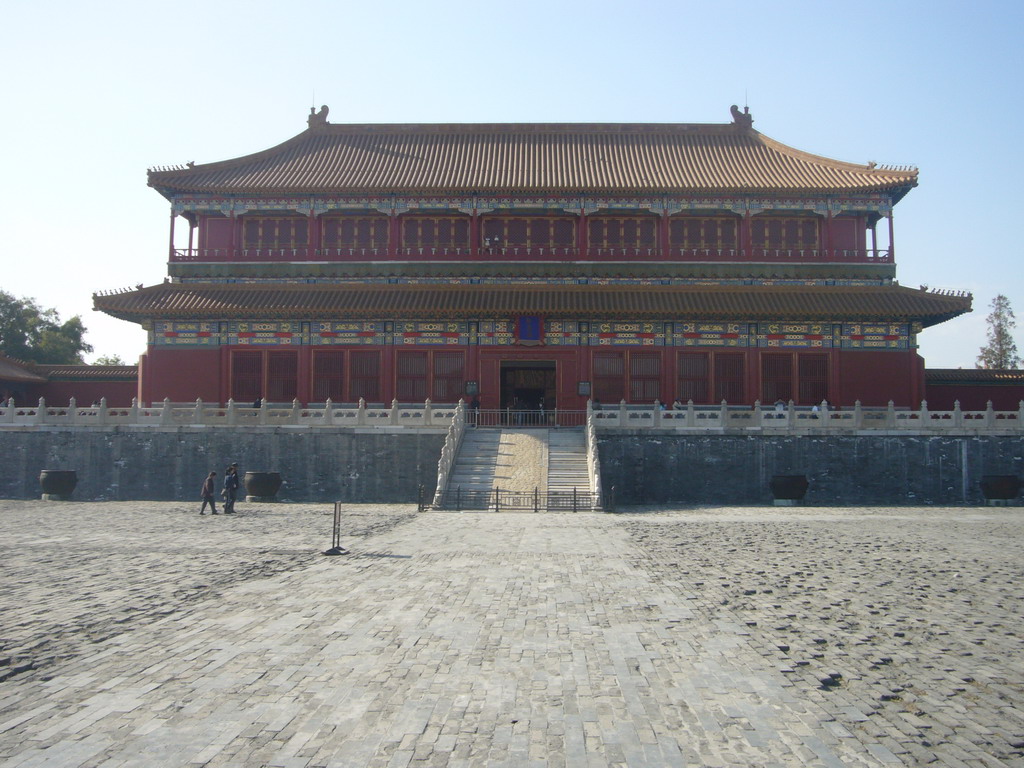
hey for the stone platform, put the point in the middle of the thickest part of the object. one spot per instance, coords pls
(140, 634)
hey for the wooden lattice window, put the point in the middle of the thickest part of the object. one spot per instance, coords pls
(609, 377)
(644, 377)
(364, 369)
(776, 378)
(411, 377)
(784, 233)
(275, 232)
(730, 381)
(622, 232)
(529, 232)
(812, 372)
(328, 376)
(355, 232)
(702, 232)
(435, 232)
(246, 376)
(692, 381)
(448, 377)
(282, 376)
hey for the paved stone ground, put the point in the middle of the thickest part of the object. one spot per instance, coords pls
(139, 634)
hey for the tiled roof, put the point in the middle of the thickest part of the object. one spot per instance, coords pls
(15, 370)
(508, 158)
(977, 376)
(382, 301)
(88, 372)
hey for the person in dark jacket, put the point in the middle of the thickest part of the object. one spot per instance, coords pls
(206, 494)
(230, 492)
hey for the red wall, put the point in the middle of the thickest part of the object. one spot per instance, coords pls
(118, 393)
(876, 377)
(180, 375)
(873, 377)
(941, 397)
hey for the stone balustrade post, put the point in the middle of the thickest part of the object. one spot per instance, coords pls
(990, 415)
(723, 414)
(1020, 413)
(264, 411)
(758, 414)
(103, 415)
(428, 412)
(72, 417)
(133, 412)
(923, 416)
(393, 415)
(197, 414)
(41, 413)
(691, 414)
(858, 415)
(361, 412)
(890, 415)
(232, 413)
(329, 412)
(958, 416)
(165, 413)
(791, 415)
(623, 415)
(293, 418)
(9, 413)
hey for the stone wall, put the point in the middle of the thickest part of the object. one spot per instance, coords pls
(321, 465)
(645, 466)
(857, 469)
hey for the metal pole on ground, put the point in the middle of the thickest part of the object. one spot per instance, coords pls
(336, 548)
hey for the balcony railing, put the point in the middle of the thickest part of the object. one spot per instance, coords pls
(798, 419)
(534, 253)
(690, 418)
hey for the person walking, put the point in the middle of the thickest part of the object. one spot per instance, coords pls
(230, 491)
(206, 494)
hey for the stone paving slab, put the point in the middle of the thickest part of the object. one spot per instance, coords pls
(139, 634)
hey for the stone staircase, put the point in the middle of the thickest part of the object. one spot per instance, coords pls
(518, 461)
(567, 461)
(476, 466)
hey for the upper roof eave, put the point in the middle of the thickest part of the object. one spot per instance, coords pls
(383, 158)
(220, 301)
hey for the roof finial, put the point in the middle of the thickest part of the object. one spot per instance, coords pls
(741, 119)
(317, 118)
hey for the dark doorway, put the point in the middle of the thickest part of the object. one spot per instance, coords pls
(528, 385)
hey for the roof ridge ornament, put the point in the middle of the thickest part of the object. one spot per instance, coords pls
(318, 119)
(742, 119)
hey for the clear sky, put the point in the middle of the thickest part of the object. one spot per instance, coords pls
(96, 93)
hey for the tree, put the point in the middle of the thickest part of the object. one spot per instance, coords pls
(1001, 349)
(36, 335)
(108, 360)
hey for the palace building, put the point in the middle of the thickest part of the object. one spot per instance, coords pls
(533, 264)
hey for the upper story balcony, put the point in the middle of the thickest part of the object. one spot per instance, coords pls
(536, 253)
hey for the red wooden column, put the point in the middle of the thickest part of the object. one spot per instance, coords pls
(304, 374)
(387, 372)
(170, 237)
(474, 234)
(313, 237)
(663, 235)
(746, 237)
(394, 234)
(236, 239)
(583, 237)
(826, 244)
(892, 240)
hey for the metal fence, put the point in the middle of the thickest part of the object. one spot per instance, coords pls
(501, 500)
